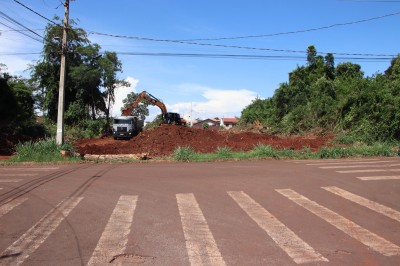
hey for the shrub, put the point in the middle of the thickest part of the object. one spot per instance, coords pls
(224, 152)
(42, 151)
(261, 151)
(184, 154)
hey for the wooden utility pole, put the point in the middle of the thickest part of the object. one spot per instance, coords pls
(61, 90)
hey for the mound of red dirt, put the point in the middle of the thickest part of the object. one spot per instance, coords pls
(164, 140)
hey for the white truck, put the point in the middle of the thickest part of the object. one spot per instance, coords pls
(126, 127)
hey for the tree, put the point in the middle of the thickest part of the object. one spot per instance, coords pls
(311, 55)
(16, 101)
(83, 96)
(393, 72)
(141, 110)
(110, 65)
(349, 70)
(320, 96)
(330, 66)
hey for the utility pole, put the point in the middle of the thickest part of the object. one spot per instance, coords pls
(61, 90)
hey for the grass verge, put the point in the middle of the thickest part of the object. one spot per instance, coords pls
(43, 151)
(261, 151)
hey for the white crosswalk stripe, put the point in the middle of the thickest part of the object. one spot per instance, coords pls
(389, 212)
(38, 233)
(10, 180)
(200, 244)
(111, 243)
(30, 169)
(368, 178)
(10, 175)
(5, 208)
(358, 166)
(352, 229)
(286, 239)
(347, 162)
(332, 160)
(367, 171)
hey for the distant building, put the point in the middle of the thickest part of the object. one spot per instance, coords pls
(212, 123)
(228, 122)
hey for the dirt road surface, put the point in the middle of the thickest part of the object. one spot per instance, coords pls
(324, 212)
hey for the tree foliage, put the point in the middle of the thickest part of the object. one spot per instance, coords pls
(16, 101)
(320, 96)
(90, 81)
(141, 110)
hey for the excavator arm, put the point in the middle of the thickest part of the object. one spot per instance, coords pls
(169, 118)
(144, 95)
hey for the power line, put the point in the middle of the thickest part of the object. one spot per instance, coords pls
(230, 46)
(229, 56)
(245, 56)
(23, 33)
(20, 30)
(297, 31)
(10, 19)
(30, 9)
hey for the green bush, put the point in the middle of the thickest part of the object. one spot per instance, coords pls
(377, 149)
(224, 152)
(42, 151)
(184, 154)
(264, 151)
(86, 129)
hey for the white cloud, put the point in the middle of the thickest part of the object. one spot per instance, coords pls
(121, 93)
(218, 103)
(11, 44)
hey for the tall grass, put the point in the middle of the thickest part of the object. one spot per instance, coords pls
(224, 152)
(42, 151)
(357, 150)
(262, 151)
(184, 154)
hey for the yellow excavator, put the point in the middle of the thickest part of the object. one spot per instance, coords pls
(168, 117)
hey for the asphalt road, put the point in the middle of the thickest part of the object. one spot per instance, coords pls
(272, 212)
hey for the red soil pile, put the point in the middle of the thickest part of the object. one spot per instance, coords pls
(164, 140)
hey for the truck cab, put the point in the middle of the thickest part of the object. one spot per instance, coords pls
(126, 127)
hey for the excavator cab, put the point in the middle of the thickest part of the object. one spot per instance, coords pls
(172, 119)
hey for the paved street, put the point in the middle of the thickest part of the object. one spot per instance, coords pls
(271, 212)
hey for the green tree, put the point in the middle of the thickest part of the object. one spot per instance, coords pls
(83, 96)
(16, 101)
(311, 55)
(349, 71)
(330, 66)
(393, 72)
(320, 96)
(111, 65)
(141, 110)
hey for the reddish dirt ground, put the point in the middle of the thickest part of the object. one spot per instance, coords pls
(164, 140)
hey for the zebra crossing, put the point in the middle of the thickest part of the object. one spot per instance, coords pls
(12, 175)
(202, 247)
(352, 166)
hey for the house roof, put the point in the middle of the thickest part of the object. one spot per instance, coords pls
(208, 120)
(229, 120)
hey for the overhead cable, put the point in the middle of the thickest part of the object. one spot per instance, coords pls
(246, 56)
(10, 19)
(297, 31)
(229, 56)
(30, 9)
(229, 46)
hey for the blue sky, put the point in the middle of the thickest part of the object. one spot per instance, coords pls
(203, 86)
